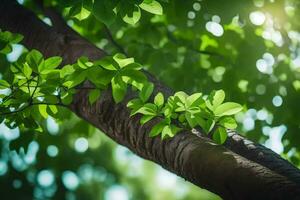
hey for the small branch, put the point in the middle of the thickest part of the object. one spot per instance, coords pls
(37, 85)
(32, 104)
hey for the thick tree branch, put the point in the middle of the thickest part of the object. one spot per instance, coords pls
(234, 171)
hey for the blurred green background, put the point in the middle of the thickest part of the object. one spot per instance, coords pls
(249, 48)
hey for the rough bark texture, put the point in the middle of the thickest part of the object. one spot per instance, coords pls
(239, 169)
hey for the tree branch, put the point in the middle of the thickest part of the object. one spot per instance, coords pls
(232, 171)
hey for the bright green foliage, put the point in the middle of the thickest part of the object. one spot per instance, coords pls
(152, 7)
(40, 82)
(107, 11)
(255, 63)
(191, 111)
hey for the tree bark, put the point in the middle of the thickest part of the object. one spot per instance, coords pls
(239, 169)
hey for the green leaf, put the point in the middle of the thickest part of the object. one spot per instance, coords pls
(75, 79)
(148, 109)
(192, 120)
(228, 108)
(194, 100)
(79, 12)
(103, 11)
(4, 84)
(130, 76)
(210, 124)
(27, 71)
(122, 60)
(134, 105)
(83, 62)
(169, 131)
(157, 129)
(134, 17)
(66, 70)
(34, 58)
(228, 122)
(107, 63)
(146, 118)
(50, 63)
(159, 99)
(180, 97)
(53, 109)
(43, 110)
(146, 92)
(220, 135)
(166, 132)
(153, 7)
(119, 89)
(134, 66)
(94, 95)
(215, 99)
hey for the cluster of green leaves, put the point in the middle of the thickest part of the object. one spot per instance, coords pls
(107, 11)
(39, 81)
(209, 114)
(39, 86)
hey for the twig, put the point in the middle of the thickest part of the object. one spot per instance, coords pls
(31, 104)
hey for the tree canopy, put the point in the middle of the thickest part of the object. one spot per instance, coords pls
(180, 83)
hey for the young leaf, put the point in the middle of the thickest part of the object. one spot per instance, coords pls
(134, 105)
(169, 131)
(153, 7)
(157, 129)
(194, 100)
(94, 95)
(34, 59)
(148, 109)
(228, 122)
(159, 99)
(107, 63)
(228, 108)
(146, 118)
(134, 66)
(180, 96)
(52, 63)
(220, 135)
(166, 132)
(43, 110)
(192, 120)
(210, 124)
(27, 71)
(146, 92)
(66, 70)
(4, 84)
(133, 75)
(119, 89)
(215, 99)
(83, 62)
(122, 60)
(134, 17)
(53, 109)
(79, 12)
